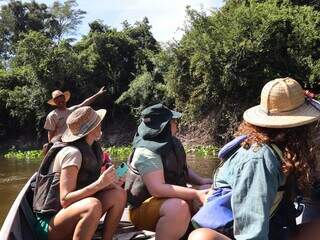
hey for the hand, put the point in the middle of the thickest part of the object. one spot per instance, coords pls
(102, 91)
(201, 196)
(120, 180)
(107, 177)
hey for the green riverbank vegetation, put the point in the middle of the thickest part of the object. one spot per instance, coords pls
(119, 153)
(24, 155)
(214, 72)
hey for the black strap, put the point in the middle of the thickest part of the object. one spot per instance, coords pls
(131, 168)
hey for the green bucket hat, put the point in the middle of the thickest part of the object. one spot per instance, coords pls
(150, 133)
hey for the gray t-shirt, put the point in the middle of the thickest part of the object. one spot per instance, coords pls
(66, 157)
(56, 121)
(146, 161)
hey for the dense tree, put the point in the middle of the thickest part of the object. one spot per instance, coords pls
(65, 18)
(17, 18)
(212, 74)
(105, 57)
(312, 3)
(224, 59)
(218, 68)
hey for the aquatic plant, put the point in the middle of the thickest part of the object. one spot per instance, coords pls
(24, 155)
(203, 151)
(116, 152)
(120, 153)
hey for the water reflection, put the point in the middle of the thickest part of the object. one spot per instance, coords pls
(15, 173)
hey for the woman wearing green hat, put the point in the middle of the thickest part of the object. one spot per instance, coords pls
(258, 181)
(156, 182)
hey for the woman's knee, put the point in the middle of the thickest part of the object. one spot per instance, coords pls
(177, 208)
(195, 235)
(206, 234)
(93, 207)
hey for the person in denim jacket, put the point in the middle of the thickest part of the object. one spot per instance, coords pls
(275, 154)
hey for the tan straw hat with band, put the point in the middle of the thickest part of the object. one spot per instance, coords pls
(283, 105)
(81, 122)
(58, 93)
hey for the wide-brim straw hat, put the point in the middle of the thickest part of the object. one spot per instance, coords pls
(81, 122)
(282, 105)
(58, 93)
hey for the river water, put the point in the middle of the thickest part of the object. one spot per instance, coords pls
(15, 173)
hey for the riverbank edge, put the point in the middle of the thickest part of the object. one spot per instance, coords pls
(121, 152)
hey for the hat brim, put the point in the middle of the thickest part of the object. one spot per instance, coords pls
(69, 137)
(66, 94)
(302, 115)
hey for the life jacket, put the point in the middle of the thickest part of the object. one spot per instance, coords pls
(47, 189)
(174, 168)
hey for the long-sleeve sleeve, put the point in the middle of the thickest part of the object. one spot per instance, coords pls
(254, 190)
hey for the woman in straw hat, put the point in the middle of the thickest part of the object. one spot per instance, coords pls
(70, 194)
(261, 176)
(56, 120)
(158, 196)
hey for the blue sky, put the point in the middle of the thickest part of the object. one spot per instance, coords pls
(165, 16)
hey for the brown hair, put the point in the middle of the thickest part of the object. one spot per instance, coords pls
(295, 144)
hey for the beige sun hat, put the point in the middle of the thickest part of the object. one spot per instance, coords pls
(81, 122)
(282, 105)
(58, 93)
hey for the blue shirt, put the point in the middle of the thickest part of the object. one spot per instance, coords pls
(254, 176)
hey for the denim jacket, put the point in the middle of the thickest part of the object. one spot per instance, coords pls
(254, 175)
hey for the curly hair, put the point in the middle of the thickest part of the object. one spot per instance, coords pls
(295, 144)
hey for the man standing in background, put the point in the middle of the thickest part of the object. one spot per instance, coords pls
(56, 120)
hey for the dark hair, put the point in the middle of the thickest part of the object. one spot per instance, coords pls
(295, 144)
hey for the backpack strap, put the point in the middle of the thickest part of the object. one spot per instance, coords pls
(130, 158)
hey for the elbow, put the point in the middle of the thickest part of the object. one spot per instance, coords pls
(64, 203)
(156, 192)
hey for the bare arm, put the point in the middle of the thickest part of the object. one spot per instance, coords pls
(194, 178)
(91, 99)
(68, 182)
(51, 134)
(158, 188)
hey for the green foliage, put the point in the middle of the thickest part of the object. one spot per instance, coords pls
(24, 155)
(120, 153)
(55, 22)
(203, 151)
(41, 61)
(215, 72)
(123, 152)
(66, 18)
(143, 91)
(108, 58)
(149, 86)
(224, 59)
(17, 18)
(312, 3)
(114, 58)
